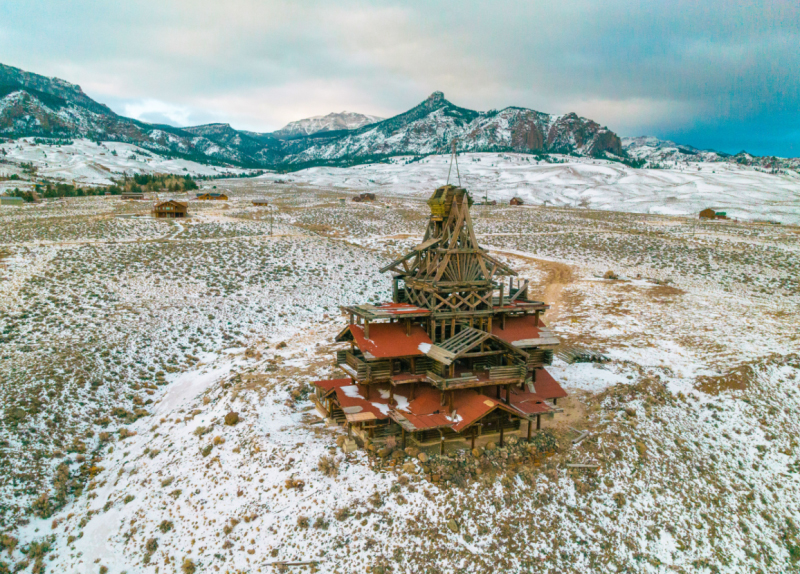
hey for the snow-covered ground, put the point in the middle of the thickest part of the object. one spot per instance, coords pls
(85, 162)
(693, 422)
(743, 192)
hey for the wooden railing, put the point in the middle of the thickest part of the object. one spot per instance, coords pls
(511, 374)
(373, 372)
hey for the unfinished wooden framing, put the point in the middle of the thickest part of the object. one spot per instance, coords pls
(450, 292)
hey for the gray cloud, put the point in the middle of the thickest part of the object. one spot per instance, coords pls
(715, 74)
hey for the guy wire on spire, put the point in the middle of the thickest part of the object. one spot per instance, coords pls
(454, 156)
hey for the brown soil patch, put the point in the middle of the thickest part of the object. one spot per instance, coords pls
(573, 416)
(739, 378)
(558, 276)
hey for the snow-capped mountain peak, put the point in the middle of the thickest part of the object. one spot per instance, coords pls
(332, 122)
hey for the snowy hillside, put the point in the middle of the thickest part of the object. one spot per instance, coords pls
(743, 192)
(332, 122)
(89, 163)
(657, 152)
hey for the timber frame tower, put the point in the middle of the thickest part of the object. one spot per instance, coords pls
(456, 358)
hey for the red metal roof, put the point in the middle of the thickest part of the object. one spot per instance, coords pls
(387, 340)
(547, 387)
(517, 328)
(426, 411)
(528, 403)
(331, 384)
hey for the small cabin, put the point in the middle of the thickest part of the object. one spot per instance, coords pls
(171, 209)
(709, 213)
(135, 196)
(516, 201)
(212, 196)
(365, 197)
(260, 202)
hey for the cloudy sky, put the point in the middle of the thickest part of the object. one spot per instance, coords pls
(722, 75)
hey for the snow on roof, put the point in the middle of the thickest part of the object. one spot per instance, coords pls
(426, 411)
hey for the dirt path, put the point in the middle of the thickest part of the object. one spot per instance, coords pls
(558, 276)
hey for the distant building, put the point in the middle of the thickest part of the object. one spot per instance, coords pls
(516, 201)
(212, 196)
(136, 196)
(709, 213)
(365, 197)
(261, 202)
(9, 200)
(171, 209)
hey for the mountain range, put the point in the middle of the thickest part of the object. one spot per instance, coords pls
(35, 105)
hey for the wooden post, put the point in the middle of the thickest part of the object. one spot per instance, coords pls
(433, 330)
(453, 327)
(533, 376)
(474, 432)
(538, 422)
(536, 321)
(530, 424)
(441, 448)
(501, 430)
(502, 286)
(403, 438)
(366, 329)
(413, 366)
(367, 391)
(391, 394)
(503, 324)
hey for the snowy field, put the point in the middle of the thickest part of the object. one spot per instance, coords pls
(85, 162)
(743, 192)
(126, 341)
(686, 189)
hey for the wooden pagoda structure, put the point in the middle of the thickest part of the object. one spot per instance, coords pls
(456, 358)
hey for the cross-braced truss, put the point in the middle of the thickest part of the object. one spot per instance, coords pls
(449, 271)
